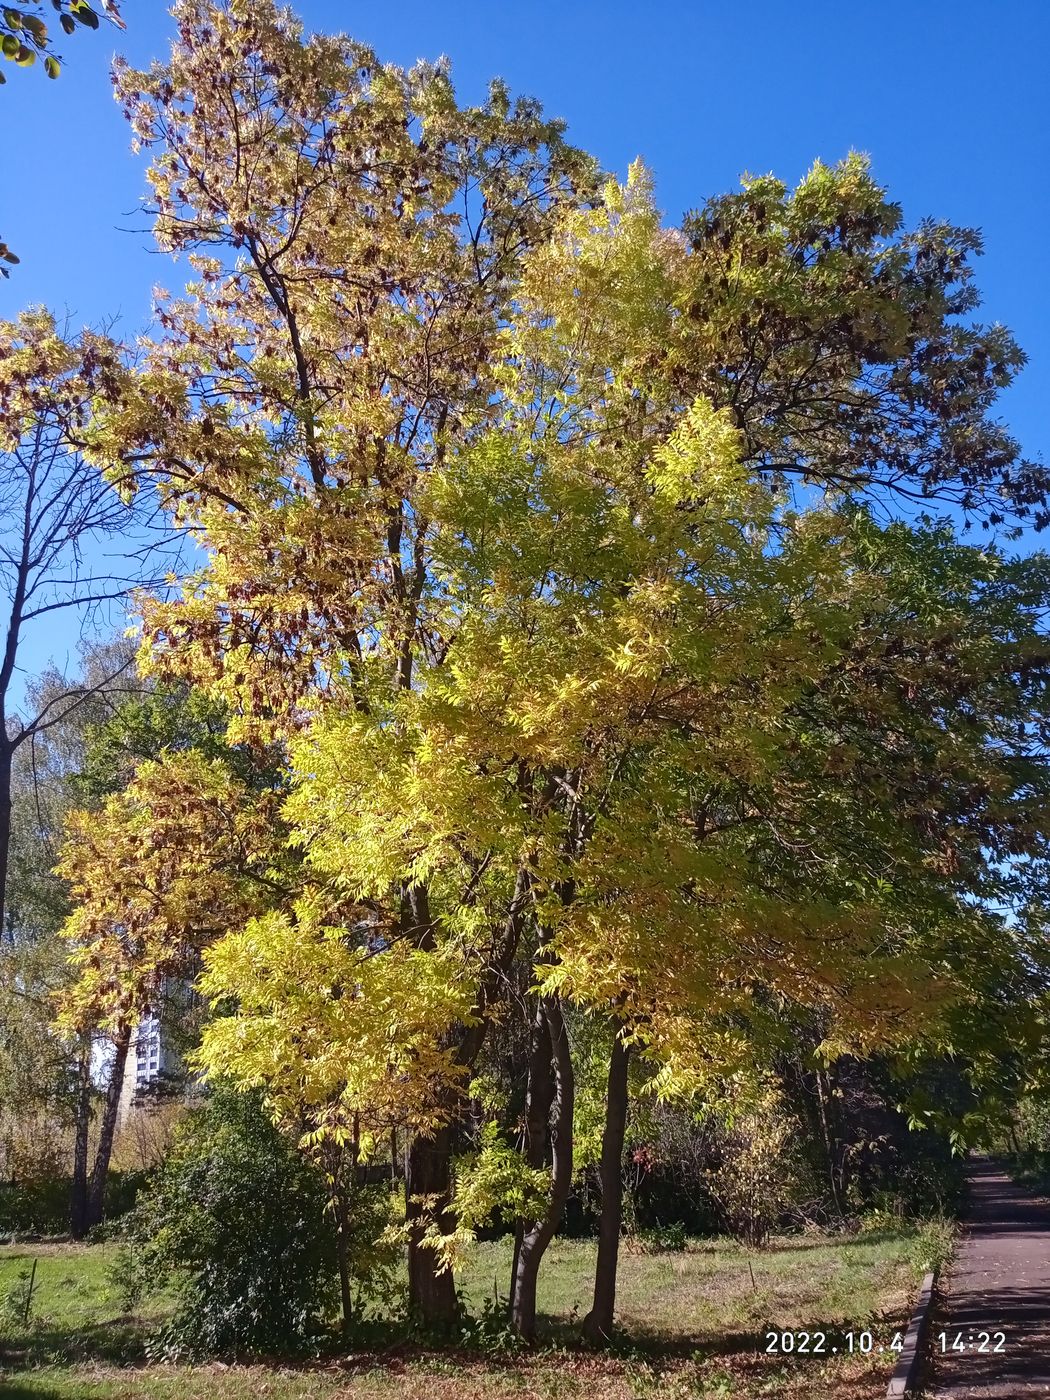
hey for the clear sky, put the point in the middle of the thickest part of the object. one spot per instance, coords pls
(950, 100)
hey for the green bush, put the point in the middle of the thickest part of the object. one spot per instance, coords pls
(662, 1239)
(235, 1220)
(36, 1206)
(40, 1205)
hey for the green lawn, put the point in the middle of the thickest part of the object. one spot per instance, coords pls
(692, 1328)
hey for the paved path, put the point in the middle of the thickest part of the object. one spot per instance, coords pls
(999, 1281)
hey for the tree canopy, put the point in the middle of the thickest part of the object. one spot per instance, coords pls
(581, 582)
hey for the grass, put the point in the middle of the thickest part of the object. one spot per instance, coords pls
(692, 1329)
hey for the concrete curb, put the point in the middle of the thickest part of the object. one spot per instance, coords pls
(905, 1378)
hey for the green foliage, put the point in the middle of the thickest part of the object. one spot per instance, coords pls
(1026, 1143)
(370, 1221)
(758, 1174)
(488, 1330)
(25, 37)
(934, 1243)
(162, 718)
(16, 1304)
(39, 1204)
(497, 1180)
(236, 1221)
(1032, 1127)
(662, 1239)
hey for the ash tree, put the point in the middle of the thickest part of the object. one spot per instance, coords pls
(543, 543)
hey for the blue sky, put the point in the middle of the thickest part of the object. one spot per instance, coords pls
(950, 100)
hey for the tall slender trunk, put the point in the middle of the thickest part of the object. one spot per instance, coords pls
(598, 1324)
(346, 1297)
(107, 1127)
(537, 1236)
(428, 1188)
(342, 1255)
(539, 1095)
(339, 1166)
(827, 1134)
(78, 1195)
(5, 820)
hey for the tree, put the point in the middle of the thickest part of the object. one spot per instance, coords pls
(176, 857)
(89, 754)
(370, 290)
(838, 341)
(56, 513)
(46, 1075)
(617, 598)
(493, 549)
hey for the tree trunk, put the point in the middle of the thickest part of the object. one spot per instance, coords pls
(103, 1152)
(428, 1186)
(5, 822)
(78, 1196)
(539, 1095)
(827, 1134)
(346, 1297)
(336, 1161)
(537, 1236)
(598, 1324)
(428, 1178)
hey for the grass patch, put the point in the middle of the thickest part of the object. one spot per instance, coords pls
(692, 1328)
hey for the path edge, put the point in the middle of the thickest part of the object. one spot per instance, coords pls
(905, 1378)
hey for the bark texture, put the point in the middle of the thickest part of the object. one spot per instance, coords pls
(96, 1191)
(428, 1188)
(598, 1324)
(537, 1235)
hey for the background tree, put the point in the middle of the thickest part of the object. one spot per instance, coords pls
(520, 601)
(48, 1078)
(68, 543)
(186, 852)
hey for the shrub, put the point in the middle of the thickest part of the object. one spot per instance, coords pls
(1032, 1127)
(758, 1172)
(236, 1221)
(39, 1205)
(661, 1239)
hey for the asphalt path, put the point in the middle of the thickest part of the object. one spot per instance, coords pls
(998, 1286)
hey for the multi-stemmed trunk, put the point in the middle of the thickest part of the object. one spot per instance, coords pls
(559, 1095)
(598, 1324)
(539, 1095)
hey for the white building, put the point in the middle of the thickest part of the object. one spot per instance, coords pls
(150, 1060)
